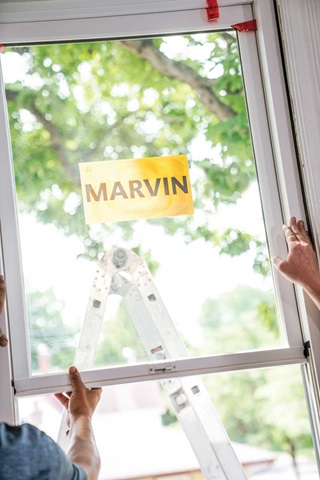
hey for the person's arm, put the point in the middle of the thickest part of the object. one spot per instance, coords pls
(301, 266)
(81, 404)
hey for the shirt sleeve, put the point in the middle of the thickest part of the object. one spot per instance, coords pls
(28, 454)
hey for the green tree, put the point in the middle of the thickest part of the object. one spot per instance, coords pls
(242, 319)
(48, 329)
(119, 342)
(269, 414)
(119, 99)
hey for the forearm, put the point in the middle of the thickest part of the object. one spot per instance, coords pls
(82, 448)
(314, 292)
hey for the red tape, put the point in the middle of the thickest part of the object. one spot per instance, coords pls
(250, 26)
(2, 47)
(212, 10)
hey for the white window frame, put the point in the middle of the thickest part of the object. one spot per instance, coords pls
(300, 29)
(269, 114)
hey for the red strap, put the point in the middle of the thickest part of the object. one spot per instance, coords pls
(250, 26)
(212, 10)
(2, 47)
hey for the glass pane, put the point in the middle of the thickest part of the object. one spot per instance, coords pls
(264, 413)
(118, 100)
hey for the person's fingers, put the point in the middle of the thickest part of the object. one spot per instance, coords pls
(277, 262)
(303, 233)
(62, 399)
(97, 392)
(3, 339)
(2, 292)
(295, 227)
(299, 230)
(293, 224)
(2, 284)
(3, 336)
(301, 226)
(75, 379)
(290, 236)
(282, 265)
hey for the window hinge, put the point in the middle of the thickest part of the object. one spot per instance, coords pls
(161, 368)
(306, 349)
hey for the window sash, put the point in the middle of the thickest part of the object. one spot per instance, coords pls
(272, 198)
(170, 368)
(144, 24)
(43, 10)
(7, 405)
(123, 26)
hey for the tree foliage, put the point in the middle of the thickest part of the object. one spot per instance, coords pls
(131, 98)
(48, 333)
(120, 342)
(242, 319)
(272, 412)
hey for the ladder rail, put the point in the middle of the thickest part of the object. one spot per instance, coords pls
(122, 272)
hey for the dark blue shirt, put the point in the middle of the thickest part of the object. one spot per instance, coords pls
(26, 453)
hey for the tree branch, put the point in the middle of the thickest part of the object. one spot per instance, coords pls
(173, 69)
(56, 138)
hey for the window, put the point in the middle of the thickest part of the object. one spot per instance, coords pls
(73, 103)
(170, 84)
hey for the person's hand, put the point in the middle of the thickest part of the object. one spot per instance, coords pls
(2, 292)
(301, 265)
(3, 337)
(80, 404)
(81, 401)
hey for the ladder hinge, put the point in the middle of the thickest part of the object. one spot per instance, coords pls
(161, 368)
(306, 349)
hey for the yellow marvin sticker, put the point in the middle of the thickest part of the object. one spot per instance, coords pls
(119, 190)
